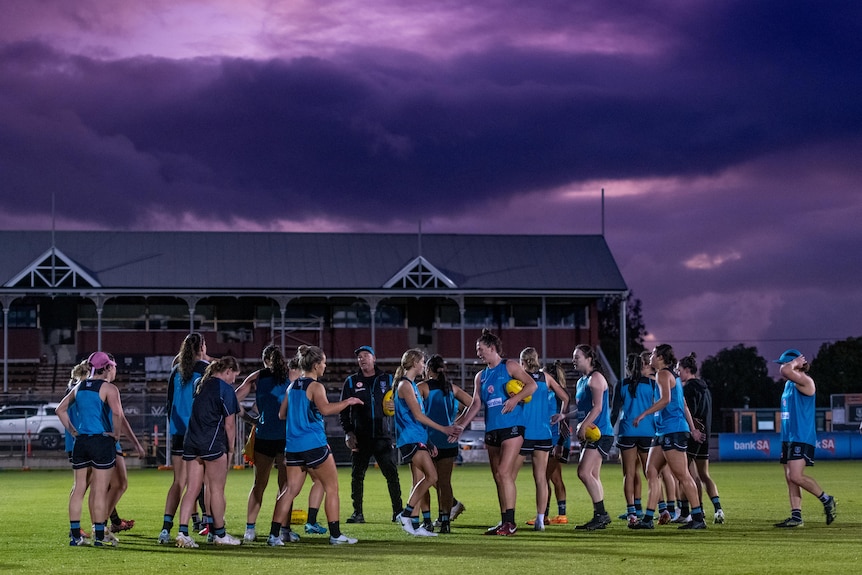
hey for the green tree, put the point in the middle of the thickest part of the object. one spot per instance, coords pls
(837, 368)
(739, 377)
(609, 329)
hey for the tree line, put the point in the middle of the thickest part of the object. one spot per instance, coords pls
(738, 375)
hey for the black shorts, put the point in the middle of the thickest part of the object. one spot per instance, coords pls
(206, 453)
(96, 451)
(641, 443)
(531, 445)
(496, 437)
(674, 441)
(446, 453)
(604, 445)
(563, 449)
(698, 451)
(177, 444)
(794, 450)
(310, 459)
(269, 447)
(408, 450)
(209, 456)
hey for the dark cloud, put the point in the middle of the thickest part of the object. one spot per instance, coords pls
(378, 130)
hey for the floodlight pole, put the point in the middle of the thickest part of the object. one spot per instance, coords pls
(623, 327)
(5, 346)
(603, 212)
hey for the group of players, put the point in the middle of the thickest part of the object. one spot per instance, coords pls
(662, 411)
(92, 414)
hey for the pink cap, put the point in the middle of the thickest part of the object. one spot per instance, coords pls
(100, 360)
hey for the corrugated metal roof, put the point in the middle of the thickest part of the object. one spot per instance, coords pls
(266, 261)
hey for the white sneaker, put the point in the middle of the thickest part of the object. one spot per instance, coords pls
(289, 536)
(406, 524)
(110, 538)
(250, 534)
(164, 536)
(718, 519)
(342, 540)
(422, 532)
(677, 513)
(226, 539)
(274, 541)
(456, 510)
(186, 542)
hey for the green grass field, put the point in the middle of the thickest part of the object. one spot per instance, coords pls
(35, 521)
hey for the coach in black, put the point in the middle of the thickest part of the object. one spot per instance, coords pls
(368, 431)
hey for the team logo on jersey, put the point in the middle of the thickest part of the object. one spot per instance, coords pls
(490, 389)
(359, 385)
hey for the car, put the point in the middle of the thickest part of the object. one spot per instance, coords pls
(39, 420)
(471, 446)
(471, 439)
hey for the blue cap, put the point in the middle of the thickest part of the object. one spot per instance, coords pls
(788, 356)
(367, 348)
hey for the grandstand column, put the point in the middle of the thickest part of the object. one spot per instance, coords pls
(282, 302)
(462, 310)
(192, 301)
(6, 302)
(372, 307)
(544, 329)
(99, 300)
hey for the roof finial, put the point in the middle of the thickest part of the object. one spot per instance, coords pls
(53, 244)
(53, 221)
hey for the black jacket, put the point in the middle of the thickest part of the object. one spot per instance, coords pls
(367, 420)
(699, 401)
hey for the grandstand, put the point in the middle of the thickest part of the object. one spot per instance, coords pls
(137, 294)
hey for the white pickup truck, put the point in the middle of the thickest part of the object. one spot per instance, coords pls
(39, 419)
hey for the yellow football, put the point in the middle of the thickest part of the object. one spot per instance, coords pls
(388, 398)
(298, 517)
(593, 433)
(514, 387)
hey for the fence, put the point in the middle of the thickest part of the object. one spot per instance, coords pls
(25, 452)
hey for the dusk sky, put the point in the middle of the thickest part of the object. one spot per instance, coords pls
(727, 136)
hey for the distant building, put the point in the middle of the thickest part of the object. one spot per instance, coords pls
(137, 294)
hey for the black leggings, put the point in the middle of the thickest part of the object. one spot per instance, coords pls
(384, 454)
